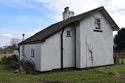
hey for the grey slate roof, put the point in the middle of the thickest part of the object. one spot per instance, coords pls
(54, 28)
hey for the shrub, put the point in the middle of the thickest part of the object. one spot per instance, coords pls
(4, 60)
(13, 63)
(28, 67)
(7, 60)
(10, 61)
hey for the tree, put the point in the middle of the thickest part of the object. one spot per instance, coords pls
(119, 40)
(14, 42)
(1, 50)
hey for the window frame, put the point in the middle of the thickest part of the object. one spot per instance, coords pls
(98, 25)
(32, 52)
(68, 33)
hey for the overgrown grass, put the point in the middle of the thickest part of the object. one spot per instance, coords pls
(112, 74)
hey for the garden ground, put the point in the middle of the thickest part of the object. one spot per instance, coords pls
(110, 74)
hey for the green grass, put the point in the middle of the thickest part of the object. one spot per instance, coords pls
(112, 74)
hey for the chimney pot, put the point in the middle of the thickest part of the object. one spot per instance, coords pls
(66, 9)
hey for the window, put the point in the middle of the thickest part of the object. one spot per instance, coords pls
(68, 33)
(32, 52)
(98, 23)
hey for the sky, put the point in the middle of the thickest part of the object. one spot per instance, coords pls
(27, 17)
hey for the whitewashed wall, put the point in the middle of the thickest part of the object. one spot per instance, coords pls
(101, 43)
(68, 48)
(48, 53)
(78, 46)
(51, 53)
(36, 59)
(49, 57)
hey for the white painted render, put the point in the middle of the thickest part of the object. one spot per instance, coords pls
(48, 54)
(100, 43)
(27, 54)
(51, 53)
(68, 48)
(78, 46)
(67, 13)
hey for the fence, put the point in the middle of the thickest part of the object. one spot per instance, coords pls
(119, 57)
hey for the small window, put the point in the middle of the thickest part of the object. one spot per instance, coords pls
(32, 52)
(68, 33)
(98, 23)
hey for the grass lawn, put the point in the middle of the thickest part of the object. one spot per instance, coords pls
(111, 74)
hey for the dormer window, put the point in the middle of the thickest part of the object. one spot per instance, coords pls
(68, 33)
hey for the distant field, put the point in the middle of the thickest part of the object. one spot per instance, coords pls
(112, 74)
(2, 55)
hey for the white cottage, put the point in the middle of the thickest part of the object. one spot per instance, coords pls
(80, 41)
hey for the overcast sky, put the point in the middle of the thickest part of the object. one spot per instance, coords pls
(30, 16)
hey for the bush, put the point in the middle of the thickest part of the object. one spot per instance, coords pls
(28, 67)
(13, 63)
(10, 61)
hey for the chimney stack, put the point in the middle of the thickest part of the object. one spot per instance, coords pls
(67, 13)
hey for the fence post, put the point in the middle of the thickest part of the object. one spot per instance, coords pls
(122, 57)
(115, 60)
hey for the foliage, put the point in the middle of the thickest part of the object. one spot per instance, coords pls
(10, 61)
(14, 42)
(7, 49)
(28, 67)
(119, 39)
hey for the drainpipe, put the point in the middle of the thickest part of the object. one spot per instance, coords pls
(75, 46)
(62, 49)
